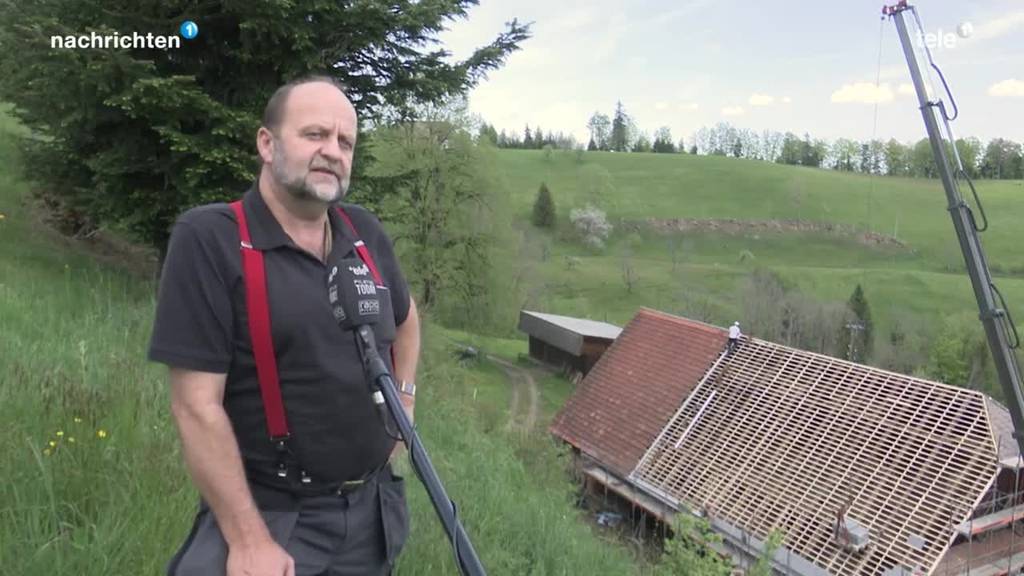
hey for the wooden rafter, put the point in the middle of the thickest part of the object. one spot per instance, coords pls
(791, 437)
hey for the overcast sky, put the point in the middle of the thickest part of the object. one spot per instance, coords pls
(784, 65)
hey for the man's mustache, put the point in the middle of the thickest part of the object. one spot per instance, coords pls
(326, 166)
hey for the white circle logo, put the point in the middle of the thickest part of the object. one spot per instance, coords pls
(965, 29)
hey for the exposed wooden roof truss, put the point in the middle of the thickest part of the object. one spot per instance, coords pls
(778, 438)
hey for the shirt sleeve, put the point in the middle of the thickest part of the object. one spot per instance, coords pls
(194, 320)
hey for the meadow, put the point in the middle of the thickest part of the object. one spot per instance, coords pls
(920, 274)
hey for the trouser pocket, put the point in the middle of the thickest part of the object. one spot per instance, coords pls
(205, 552)
(172, 566)
(394, 513)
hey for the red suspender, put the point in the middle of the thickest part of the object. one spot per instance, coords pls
(259, 330)
(361, 249)
(364, 253)
(259, 320)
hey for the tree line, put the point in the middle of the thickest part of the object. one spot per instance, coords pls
(999, 158)
(535, 139)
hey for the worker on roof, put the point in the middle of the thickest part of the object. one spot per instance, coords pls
(734, 337)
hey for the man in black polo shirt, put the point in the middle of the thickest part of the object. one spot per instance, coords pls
(328, 503)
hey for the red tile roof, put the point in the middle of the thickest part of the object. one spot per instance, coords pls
(638, 384)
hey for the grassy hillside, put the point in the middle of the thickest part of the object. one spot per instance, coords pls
(922, 276)
(93, 481)
(684, 186)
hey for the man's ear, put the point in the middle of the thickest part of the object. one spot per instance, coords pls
(265, 144)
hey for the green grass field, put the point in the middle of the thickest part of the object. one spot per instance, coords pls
(925, 277)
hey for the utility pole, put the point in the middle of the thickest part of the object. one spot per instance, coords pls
(999, 328)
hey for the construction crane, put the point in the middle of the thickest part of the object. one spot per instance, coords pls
(1000, 330)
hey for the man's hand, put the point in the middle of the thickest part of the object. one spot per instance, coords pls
(408, 404)
(211, 453)
(265, 558)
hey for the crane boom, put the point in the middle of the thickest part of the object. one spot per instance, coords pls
(994, 315)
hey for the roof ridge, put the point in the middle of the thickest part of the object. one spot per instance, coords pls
(661, 315)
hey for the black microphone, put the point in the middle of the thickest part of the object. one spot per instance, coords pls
(355, 304)
(353, 294)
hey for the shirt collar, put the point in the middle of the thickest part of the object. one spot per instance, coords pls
(266, 232)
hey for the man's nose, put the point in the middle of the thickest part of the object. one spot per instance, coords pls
(332, 150)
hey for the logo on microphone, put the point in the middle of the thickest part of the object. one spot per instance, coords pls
(332, 294)
(365, 287)
(360, 270)
(334, 272)
(339, 314)
(369, 307)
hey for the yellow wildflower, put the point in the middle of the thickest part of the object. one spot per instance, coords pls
(71, 439)
(53, 444)
(101, 433)
(60, 433)
(47, 452)
(78, 420)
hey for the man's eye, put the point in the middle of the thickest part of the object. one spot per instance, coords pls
(316, 135)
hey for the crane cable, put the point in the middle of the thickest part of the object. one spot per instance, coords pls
(1009, 324)
(959, 171)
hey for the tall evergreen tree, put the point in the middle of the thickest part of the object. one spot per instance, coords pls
(856, 336)
(620, 129)
(488, 133)
(135, 136)
(544, 208)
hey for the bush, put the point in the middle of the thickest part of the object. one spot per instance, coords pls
(592, 225)
(690, 550)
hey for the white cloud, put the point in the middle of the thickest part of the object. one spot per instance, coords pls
(732, 111)
(761, 99)
(786, 100)
(1007, 88)
(688, 106)
(905, 88)
(863, 93)
(662, 105)
(997, 27)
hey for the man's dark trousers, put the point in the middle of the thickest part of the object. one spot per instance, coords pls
(356, 533)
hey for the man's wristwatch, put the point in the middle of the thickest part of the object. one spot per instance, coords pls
(408, 388)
